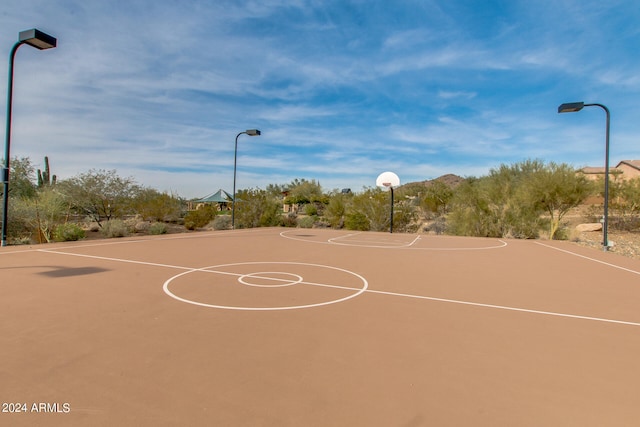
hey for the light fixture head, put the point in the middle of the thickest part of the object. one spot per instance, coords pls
(253, 132)
(571, 107)
(37, 39)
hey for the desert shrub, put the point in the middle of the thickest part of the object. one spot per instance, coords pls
(437, 226)
(38, 215)
(624, 205)
(115, 228)
(290, 220)
(404, 217)
(336, 209)
(368, 211)
(356, 221)
(158, 228)
(68, 232)
(20, 240)
(562, 233)
(311, 209)
(153, 205)
(321, 223)
(222, 222)
(306, 222)
(199, 218)
(257, 208)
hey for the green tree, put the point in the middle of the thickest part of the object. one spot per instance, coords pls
(470, 215)
(257, 208)
(624, 203)
(557, 189)
(21, 177)
(21, 188)
(514, 212)
(101, 194)
(302, 192)
(511, 200)
(436, 198)
(355, 220)
(336, 210)
(368, 210)
(498, 205)
(40, 214)
(199, 217)
(404, 217)
(371, 210)
(156, 206)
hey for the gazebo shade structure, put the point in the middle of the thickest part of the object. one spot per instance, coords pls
(219, 196)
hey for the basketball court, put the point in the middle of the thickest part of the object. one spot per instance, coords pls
(306, 327)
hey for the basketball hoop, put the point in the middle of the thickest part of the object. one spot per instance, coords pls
(388, 180)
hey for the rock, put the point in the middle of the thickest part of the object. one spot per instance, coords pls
(594, 226)
(141, 226)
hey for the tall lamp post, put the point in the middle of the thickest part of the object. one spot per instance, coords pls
(250, 132)
(573, 107)
(41, 41)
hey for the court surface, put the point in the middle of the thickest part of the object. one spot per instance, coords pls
(306, 327)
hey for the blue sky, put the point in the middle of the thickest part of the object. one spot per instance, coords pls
(342, 90)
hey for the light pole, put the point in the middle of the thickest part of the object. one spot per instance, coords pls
(41, 41)
(573, 107)
(250, 132)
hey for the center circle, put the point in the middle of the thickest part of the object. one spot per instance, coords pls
(262, 278)
(267, 277)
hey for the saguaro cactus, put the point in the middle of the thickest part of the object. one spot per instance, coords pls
(45, 178)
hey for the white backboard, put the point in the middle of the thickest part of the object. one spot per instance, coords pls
(387, 180)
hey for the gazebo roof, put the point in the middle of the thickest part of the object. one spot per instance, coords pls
(219, 196)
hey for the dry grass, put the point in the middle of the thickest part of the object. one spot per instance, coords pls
(626, 243)
(622, 243)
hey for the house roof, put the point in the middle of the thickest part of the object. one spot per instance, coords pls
(592, 170)
(219, 196)
(632, 163)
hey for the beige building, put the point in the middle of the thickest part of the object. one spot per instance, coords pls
(629, 169)
(625, 169)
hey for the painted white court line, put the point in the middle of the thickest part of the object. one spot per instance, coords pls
(507, 308)
(589, 258)
(192, 269)
(246, 279)
(363, 290)
(127, 241)
(212, 269)
(129, 261)
(333, 239)
(347, 241)
(373, 243)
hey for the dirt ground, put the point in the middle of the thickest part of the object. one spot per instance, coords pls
(626, 244)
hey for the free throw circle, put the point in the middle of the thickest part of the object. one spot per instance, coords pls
(269, 279)
(334, 280)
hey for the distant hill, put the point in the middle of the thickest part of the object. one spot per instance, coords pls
(450, 179)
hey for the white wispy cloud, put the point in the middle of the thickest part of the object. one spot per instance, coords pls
(341, 89)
